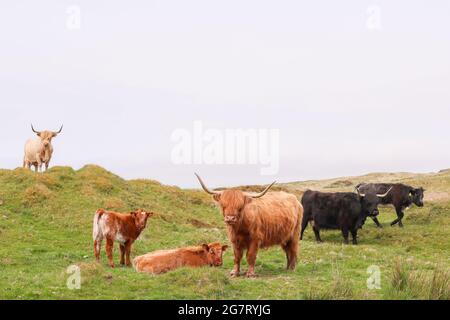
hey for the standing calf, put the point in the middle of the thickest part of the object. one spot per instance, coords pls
(39, 151)
(123, 228)
(166, 260)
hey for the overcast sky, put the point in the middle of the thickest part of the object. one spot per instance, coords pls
(352, 86)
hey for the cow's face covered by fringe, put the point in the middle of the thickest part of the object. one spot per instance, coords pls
(232, 202)
(46, 136)
(140, 218)
(214, 252)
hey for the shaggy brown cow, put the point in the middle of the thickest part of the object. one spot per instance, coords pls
(256, 221)
(166, 260)
(123, 228)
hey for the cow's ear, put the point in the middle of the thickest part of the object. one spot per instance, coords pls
(216, 197)
(150, 214)
(205, 247)
(248, 200)
(224, 247)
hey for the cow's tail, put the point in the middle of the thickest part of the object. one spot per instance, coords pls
(96, 228)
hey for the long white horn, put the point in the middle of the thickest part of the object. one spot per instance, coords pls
(384, 195)
(259, 195)
(359, 193)
(205, 187)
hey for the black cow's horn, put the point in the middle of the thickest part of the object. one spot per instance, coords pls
(259, 195)
(205, 187)
(384, 195)
(359, 193)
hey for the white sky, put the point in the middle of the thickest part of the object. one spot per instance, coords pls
(347, 100)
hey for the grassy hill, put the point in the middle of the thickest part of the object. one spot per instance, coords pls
(46, 226)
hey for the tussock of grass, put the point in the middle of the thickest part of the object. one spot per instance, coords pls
(399, 277)
(36, 194)
(420, 284)
(340, 288)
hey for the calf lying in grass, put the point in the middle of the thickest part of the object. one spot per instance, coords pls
(166, 260)
(123, 228)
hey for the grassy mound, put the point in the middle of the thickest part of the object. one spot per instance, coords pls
(46, 226)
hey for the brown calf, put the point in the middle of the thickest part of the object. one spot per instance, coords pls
(123, 228)
(165, 260)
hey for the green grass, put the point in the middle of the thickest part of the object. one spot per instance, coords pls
(46, 226)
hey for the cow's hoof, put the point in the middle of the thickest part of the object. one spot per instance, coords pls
(250, 275)
(234, 274)
(380, 226)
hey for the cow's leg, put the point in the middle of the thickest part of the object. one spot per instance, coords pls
(27, 164)
(46, 165)
(400, 215)
(252, 253)
(109, 251)
(375, 219)
(122, 254)
(127, 253)
(304, 225)
(97, 247)
(291, 249)
(317, 233)
(238, 253)
(345, 234)
(355, 236)
(38, 162)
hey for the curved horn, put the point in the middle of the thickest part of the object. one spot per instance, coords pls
(205, 187)
(34, 129)
(384, 195)
(259, 195)
(359, 193)
(60, 129)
